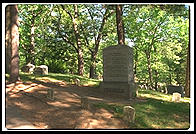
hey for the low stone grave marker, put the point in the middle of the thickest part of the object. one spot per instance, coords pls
(50, 94)
(43, 69)
(129, 114)
(176, 97)
(29, 68)
(77, 81)
(84, 103)
(172, 89)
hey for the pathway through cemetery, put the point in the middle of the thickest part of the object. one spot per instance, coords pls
(64, 112)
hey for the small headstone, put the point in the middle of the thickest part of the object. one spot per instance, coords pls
(84, 103)
(172, 89)
(29, 68)
(176, 97)
(129, 114)
(77, 81)
(43, 69)
(50, 94)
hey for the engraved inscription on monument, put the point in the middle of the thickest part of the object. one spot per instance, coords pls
(118, 64)
(118, 71)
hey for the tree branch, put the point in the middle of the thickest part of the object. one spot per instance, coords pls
(64, 37)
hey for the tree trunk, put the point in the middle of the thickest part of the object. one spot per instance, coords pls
(12, 42)
(97, 41)
(78, 40)
(93, 64)
(187, 84)
(8, 49)
(32, 44)
(156, 80)
(120, 26)
(149, 69)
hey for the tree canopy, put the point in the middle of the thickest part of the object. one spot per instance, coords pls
(70, 39)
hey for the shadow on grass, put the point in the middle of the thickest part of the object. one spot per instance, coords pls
(70, 79)
(158, 114)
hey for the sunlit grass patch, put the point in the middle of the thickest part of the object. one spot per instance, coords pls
(159, 112)
(156, 112)
(160, 96)
(57, 77)
(116, 109)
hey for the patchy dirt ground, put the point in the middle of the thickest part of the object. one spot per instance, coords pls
(64, 112)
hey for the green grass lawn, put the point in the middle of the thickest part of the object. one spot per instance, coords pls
(53, 77)
(157, 112)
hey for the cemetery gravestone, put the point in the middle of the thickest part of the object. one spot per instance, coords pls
(176, 97)
(129, 114)
(172, 89)
(118, 72)
(50, 94)
(43, 69)
(84, 103)
(29, 68)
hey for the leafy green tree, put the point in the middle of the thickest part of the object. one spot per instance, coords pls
(31, 16)
(152, 30)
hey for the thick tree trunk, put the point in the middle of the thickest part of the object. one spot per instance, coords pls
(120, 27)
(8, 49)
(187, 84)
(12, 42)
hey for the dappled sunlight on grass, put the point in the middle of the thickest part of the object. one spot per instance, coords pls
(160, 96)
(159, 112)
(63, 79)
(154, 110)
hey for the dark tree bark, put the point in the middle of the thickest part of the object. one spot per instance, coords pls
(187, 84)
(120, 26)
(12, 42)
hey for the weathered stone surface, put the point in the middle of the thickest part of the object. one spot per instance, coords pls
(118, 71)
(77, 81)
(84, 103)
(129, 114)
(29, 68)
(43, 69)
(176, 97)
(172, 89)
(118, 64)
(50, 94)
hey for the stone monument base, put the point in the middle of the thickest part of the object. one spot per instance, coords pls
(123, 90)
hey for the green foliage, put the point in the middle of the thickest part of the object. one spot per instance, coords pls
(160, 34)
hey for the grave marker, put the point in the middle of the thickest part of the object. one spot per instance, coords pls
(50, 94)
(176, 97)
(118, 71)
(129, 114)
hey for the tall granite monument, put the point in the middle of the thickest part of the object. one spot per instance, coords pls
(118, 72)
